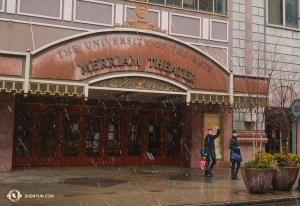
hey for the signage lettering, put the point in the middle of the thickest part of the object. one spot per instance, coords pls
(203, 64)
(179, 71)
(105, 42)
(167, 67)
(109, 62)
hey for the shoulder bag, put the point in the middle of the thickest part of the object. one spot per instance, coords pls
(236, 157)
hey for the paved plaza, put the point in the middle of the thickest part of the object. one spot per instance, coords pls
(130, 186)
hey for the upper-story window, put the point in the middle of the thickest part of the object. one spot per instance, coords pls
(210, 6)
(283, 12)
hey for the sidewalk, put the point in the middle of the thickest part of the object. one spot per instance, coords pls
(130, 186)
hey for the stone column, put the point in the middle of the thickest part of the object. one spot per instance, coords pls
(7, 113)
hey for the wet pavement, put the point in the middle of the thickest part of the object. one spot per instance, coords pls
(132, 185)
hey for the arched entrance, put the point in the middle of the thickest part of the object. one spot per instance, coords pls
(126, 120)
(114, 97)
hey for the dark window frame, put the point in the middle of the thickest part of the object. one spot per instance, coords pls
(193, 5)
(281, 16)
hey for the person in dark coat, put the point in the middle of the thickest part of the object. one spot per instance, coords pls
(234, 147)
(209, 145)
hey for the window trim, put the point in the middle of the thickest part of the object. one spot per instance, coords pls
(283, 17)
(188, 16)
(185, 9)
(210, 32)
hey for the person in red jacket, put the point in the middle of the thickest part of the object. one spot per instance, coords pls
(209, 145)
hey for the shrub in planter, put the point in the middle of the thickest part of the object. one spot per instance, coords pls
(287, 159)
(287, 172)
(258, 174)
(262, 160)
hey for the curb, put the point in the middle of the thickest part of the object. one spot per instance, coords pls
(292, 199)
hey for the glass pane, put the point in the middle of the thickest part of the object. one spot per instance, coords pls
(114, 136)
(190, 4)
(206, 5)
(221, 7)
(92, 141)
(291, 13)
(174, 3)
(157, 1)
(71, 137)
(275, 12)
(134, 140)
(24, 135)
(8, 85)
(47, 136)
(154, 136)
(172, 137)
(19, 86)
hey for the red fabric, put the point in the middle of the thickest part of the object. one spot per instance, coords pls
(202, 164)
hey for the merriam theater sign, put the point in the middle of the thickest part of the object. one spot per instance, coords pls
(86, 57)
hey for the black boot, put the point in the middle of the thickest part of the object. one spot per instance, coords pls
(208, 173)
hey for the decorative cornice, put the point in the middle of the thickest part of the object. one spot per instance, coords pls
(141, 83)
(141, 25)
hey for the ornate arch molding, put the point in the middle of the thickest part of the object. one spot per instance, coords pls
(85, 59)
(138, 83)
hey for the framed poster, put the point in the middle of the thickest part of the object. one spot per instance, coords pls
(210, 120)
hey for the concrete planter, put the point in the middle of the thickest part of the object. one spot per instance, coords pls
(258, 180)
(285, 178)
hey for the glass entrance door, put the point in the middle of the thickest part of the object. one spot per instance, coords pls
(93, 136)
(135, 136)
(172, 137)
(154, 136)
(49, 135)
(72, 143)
(48, 138)
(24, 139)
(114, 137)
(163, 139)
(36, 139)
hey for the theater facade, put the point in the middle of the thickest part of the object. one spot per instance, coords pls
(130, 95)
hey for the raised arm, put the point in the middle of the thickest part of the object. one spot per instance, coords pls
(218, 132)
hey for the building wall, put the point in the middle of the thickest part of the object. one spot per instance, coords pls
(29, 24)
(7, 111)
(238, 41)
(193, 133)
(265, 50)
